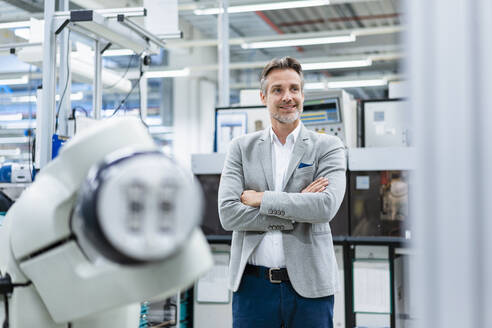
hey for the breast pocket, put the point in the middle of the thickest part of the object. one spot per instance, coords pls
(305, 171)
(320, 228)
(303, 177)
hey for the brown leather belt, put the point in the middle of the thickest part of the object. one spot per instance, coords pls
(274, 275)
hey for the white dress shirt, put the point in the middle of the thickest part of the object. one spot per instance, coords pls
(270, 251)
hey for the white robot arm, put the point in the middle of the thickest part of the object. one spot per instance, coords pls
(109, 223)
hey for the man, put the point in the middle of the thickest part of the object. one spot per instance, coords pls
(279, 189)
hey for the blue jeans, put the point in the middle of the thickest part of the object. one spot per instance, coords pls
(258, 303)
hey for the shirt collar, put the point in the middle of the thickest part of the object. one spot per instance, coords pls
(293, 135)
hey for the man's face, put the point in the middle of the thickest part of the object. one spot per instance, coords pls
(284, 97)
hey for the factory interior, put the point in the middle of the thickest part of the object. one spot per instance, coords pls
(116, 119)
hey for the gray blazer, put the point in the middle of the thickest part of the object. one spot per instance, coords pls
(302, 217)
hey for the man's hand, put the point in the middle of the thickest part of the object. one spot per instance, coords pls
(317, 185)
(251, 198)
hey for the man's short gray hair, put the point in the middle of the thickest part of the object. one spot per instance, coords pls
(280, 63)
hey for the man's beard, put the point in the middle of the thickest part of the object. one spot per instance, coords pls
(287, 118)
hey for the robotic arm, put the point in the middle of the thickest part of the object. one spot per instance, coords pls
(109, 223)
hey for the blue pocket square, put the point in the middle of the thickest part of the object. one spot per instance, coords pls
(304, 165)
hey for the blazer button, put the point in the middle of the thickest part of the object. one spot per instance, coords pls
(282, 213)
(277, 212)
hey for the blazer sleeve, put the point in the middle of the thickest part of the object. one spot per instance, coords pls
(318, 207)
(233, 214)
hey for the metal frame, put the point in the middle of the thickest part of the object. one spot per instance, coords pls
(11, 46)
(139, 30)
(223, 49)
(110, 13)
(97, 25)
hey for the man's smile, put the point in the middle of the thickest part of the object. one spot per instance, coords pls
(288, 107)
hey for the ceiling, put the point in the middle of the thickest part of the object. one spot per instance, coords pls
(377, 25)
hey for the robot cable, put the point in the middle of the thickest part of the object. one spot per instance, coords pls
(6, 288)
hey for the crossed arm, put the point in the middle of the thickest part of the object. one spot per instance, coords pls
(249, 210)
(253, 198)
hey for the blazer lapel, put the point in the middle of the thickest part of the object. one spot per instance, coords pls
(266, 158)
(297, 153)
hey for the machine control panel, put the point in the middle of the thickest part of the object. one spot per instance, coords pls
(324, 116)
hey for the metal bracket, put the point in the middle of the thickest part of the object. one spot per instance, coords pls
(140, 31)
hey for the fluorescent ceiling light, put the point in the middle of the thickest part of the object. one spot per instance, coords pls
(11, 117)
(10, 152)
(170, 73)
(263, 7)
(345, 84)
(74, 96)
(23, 99)
(21, 80)
(15, 140)
(77, 96)
(315, 86)
(357, 83)
(299, 42)
(118, 52)
(24, 124)
(337, 64)
(15, 24)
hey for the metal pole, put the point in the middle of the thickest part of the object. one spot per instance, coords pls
(44, 132)
(223, 29)
(143, 97)
(65, 77)
(97, 84)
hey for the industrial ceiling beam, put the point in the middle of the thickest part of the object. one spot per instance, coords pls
(193, 5)
(134, 74)
(238, 41)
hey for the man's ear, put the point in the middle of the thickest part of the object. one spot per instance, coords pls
(262, 98)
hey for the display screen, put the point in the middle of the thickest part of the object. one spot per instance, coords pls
(210, 222)
(379, 203)
(232, 122)
(321, 111)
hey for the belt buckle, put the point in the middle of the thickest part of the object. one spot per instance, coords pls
(271, 278)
